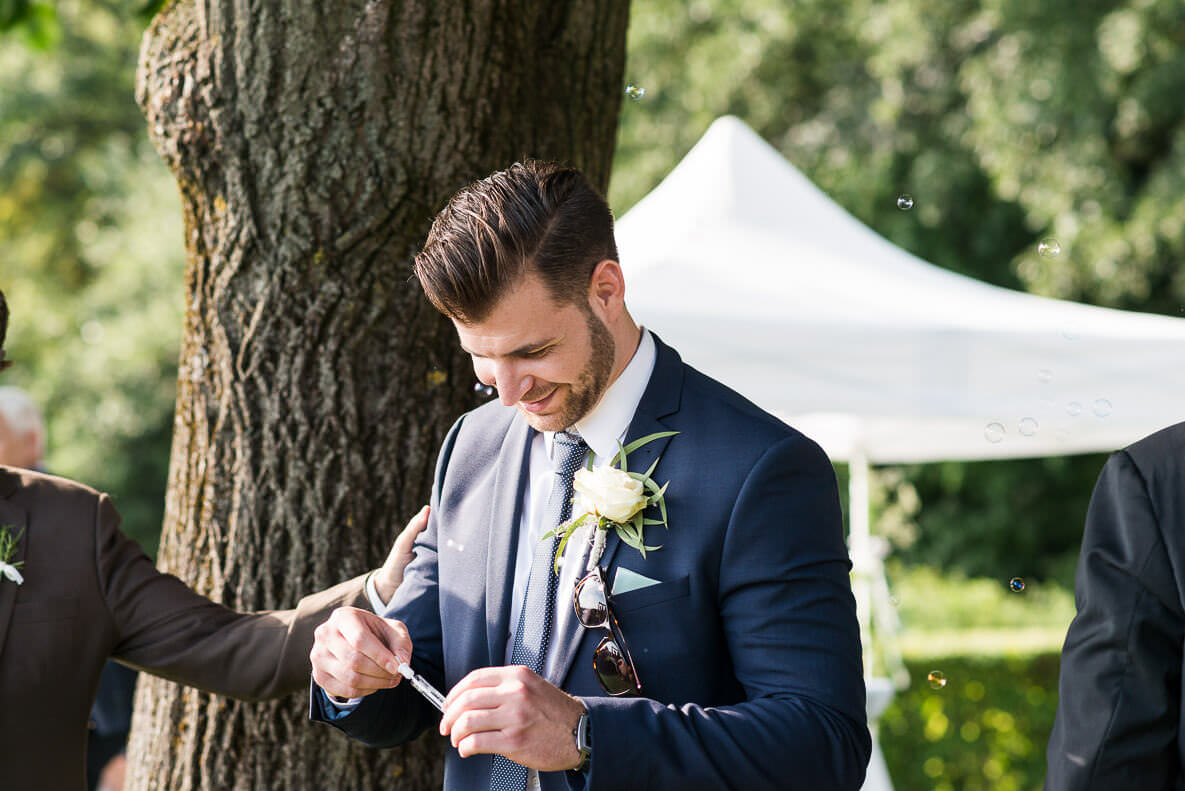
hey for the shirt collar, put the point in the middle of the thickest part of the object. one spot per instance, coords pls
(606, 424)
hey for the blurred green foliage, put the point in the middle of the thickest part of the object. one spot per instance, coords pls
(984, 730)
(1007, 122)
(93, 262)
(928, 598)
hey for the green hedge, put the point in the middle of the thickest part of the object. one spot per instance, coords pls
(985, 729)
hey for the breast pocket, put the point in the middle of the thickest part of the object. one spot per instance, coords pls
(650, 595)
(45, 610)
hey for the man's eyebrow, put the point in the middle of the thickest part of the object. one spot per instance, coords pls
(519, 352)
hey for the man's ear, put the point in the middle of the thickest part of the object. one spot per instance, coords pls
(606, 289)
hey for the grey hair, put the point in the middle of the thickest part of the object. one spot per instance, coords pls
(20, 412)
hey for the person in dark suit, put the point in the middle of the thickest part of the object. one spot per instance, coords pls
(75, 591)
(109, 726)
(727, 658)
(1119, 715)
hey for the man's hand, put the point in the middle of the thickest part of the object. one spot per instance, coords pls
(356, 653)
(113, 774)
(513, 712)
(390, 576)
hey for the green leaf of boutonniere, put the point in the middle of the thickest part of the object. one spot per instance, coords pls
(8, 542)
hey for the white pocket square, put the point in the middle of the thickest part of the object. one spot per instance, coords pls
(625, 581)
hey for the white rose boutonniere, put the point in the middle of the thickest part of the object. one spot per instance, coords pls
(611, 493)
(8, 569)
(616, 499)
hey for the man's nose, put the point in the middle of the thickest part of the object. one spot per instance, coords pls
(511, 384)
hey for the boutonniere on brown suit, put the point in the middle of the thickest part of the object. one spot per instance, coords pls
(8, 542)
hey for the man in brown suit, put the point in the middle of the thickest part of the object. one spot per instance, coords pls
(88, 592)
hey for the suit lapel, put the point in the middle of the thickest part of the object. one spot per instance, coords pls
(661, 399)
(17, 521)
(510, 481)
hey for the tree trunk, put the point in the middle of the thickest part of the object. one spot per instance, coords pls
(313, 143)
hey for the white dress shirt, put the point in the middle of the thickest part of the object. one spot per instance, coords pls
(602, 429)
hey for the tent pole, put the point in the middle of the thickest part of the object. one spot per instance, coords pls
(867, 572)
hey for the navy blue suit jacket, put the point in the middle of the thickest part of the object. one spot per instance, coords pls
(748, 648)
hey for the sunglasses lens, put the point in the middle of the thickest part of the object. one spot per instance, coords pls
(613, 669)
(591, 605)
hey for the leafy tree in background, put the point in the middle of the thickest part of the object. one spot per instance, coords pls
(91, 232)
(1007, 122)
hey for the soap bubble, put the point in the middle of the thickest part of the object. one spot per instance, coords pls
(483, 389)
(1102, 407)
(937, 679)
(904, 201)
(1028, 426)
(1016, 584)
(994, 432)
(1073, 409)
(1049, 247)
(635, 92)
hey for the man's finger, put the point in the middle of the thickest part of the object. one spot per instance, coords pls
(384, 641)
(341, 676)
(484, 742)
(469, 700)
(407, 537)
(342, 683)
(475, 721)
(381, 642)
(350, 658)
(487, 677)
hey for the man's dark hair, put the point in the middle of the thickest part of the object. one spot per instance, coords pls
(3, 330)
(539, 217)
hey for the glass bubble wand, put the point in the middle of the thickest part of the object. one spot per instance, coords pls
(421, 685)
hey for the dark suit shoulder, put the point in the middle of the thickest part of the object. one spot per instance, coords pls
(1164, 449)
(1159, 460)
(28, 488)
(714, 409)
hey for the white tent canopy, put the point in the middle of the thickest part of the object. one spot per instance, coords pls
(762, 281)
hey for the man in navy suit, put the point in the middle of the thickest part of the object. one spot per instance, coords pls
(735, 644)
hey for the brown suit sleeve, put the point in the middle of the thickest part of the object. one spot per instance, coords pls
(166, 629)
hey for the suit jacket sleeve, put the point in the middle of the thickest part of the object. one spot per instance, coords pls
(789, 616)
(391, 717)
(165, 628)
(1120, 687)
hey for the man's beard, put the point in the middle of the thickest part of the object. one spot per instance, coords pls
(590, 385)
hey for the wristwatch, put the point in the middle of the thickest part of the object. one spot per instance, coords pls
(583, 735)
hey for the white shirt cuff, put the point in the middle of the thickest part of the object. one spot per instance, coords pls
(345, 707)
(372, 595)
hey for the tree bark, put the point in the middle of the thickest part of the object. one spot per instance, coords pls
(313, 143)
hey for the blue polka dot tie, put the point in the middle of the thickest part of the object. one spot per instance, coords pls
(538, 612)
